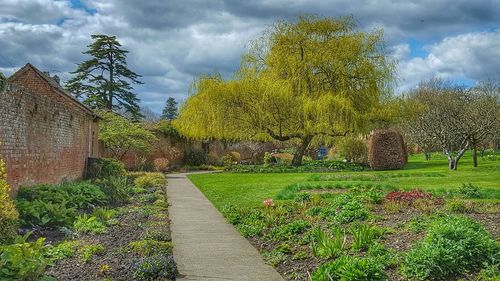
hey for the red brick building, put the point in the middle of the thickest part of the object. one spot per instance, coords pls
(46, 135)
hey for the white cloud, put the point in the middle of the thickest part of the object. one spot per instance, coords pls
(470, 56)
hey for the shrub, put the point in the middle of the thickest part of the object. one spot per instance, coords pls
(387, 150)
(89, 224)
(351, 268)
(328, 247)
(268, 159)
(454, 245)
(469, 191)
(117, 189)
(23, 260)
(8, 213)
(161, 164)
(353, 150)
(155, 267)
(150, 181)
(148, 247)
(40, 213)
(101, 168)
(194, 157)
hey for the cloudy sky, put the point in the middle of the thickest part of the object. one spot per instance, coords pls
(171, 42)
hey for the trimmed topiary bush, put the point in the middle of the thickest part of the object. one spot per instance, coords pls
(8, 213)
(387, 150)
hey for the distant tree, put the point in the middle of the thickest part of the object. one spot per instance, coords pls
(149, 115)
(300, 82)
(104, 81)
(120, 135)
(170, 111)
(483, 114)
(454, 118)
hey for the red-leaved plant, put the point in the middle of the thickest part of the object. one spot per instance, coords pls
(409, 197)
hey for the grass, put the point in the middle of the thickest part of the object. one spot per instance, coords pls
(249, 190)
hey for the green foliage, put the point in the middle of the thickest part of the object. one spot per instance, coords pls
(80, 195)
(287, 231)
(347, 268)
(469, 191)
(45, 214)
(454, 245)
(87, 252)
(8, 213)
(148, 247)
(308, 166)
(148, 198)
(104, 81)
(363, 236)
(166, 128)
(102, 168)
(170, 110)
(158, 235)
(302, 197)
(23, 260)
(120, 135)
(63, 250)
(250, 230)
(150, 181)
(328, 247)
(353, 150)
(116, 188)
(274, 257)
(155, 267)
(345, 208)
(89, 224)
(105, 214)
(194, 157)
(281, 69)
(268, 157)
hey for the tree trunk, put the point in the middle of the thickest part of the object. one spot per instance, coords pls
(427, 153)
(474, 155)
(453, 161)
(299, 154)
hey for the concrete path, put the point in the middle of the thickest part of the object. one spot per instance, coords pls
(206, 247)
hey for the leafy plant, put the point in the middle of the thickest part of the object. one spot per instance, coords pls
(155, 267)
(469, 191)
(287, 231)
(104, 214)
(454, 245)
(302, 197)
(158, 235)
(274, 257)
(148, 198)
(88, 251)
(46, 214)
(102, 168)
(116, 188)
(148, 247)
(363, 236)
(351, 268)
(328, 247)
(89, 224)
(63, 250)
(23, 260)
(150, 181)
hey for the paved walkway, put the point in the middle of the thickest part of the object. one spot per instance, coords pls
(206, 247)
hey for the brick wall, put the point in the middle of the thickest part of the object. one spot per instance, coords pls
(44, 137)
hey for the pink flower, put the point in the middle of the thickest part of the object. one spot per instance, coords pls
(269, 202)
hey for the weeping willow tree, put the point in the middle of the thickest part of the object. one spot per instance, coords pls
(314, 79)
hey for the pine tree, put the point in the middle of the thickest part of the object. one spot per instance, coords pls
(104, 81)
(170, 110)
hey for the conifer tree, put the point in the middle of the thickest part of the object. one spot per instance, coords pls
(170, 110)
(104, 81)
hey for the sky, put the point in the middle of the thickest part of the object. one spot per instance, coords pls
(171, 42)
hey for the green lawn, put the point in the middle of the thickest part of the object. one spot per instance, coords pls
(251, 189)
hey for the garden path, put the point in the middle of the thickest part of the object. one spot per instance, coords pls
(206, 247)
